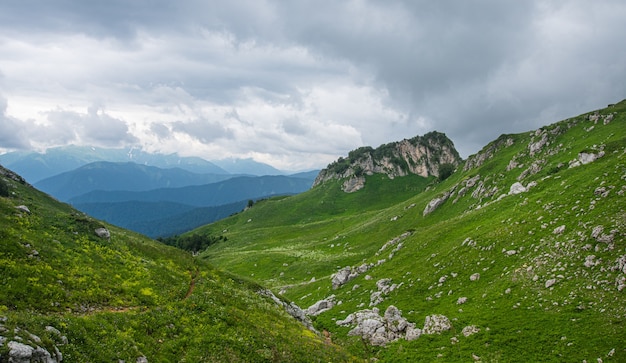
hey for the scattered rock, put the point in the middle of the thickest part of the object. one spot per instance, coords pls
(142, 359)
(461, 300)
(585, 158)
(589, 261)
(341, 277)
(559, 229)
(517, 188)
(435, 203)
(103, 233)
(550, 283)
(23, 208)
(535, 147)
(475, 277)
(22, 353)
(435, 324)
(321, 306)
(470, 330)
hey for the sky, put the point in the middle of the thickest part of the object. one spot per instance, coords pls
(297, 84)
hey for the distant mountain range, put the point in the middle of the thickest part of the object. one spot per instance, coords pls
(127, 176)
(36, 166)
(154, 194)
(168, 211)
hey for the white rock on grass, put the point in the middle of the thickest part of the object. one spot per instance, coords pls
(435, 324)
(517, 188)
(470, 330)
(550, 283)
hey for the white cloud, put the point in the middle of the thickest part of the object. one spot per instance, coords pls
(300, 83)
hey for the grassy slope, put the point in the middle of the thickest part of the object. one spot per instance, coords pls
(284, 243)
(125, 298)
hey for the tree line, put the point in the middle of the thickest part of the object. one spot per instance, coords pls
(193, 243)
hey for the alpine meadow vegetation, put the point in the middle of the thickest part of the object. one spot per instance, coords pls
(521, 249)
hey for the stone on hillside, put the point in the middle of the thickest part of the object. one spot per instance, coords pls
(586, 158)
(103, 233)
(434, 204)
(380, 330)
(475, 277)
(22, 353)
(620, 283)
(435, 324)
(142, 359)
(23, 208)
(589, 261)
(597, 231)
(412, 333)
(517, 188)
(535, 147)
(470, 330)
(550, 283)
(559, 230)
(321, 306)
(461, 300)
(341, 277)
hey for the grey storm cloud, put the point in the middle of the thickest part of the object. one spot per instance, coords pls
(202, 130)
(11, 132)
(94, 127)
(302, 82)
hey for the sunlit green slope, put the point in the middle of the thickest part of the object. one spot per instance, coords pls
(538, 268)
(126, 298)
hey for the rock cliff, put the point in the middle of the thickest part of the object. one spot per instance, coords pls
(421, 155)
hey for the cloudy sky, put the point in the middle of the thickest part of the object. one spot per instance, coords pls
(297, 84)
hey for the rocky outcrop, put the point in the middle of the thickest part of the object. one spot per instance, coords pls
(487, 152)
(26, 347)
(380, 330)
(391, 326)
(421, 155)
(585, 158)
(291, 308)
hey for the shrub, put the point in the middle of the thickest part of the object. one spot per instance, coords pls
(4, 189)
(445, 170)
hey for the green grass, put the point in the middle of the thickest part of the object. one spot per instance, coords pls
(123, 298)
(284, 243)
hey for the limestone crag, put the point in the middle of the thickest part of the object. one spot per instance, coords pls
(421, 155)
(380, 330)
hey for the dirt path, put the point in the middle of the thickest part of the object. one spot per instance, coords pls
(192, 284)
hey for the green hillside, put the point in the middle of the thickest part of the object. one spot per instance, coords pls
(67, 293)
(534, 271)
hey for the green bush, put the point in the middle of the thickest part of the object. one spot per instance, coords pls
(4, 189)
(445, 170)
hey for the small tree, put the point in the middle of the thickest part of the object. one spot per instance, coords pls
(4, 188)
(445, 170)
(250, 203)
